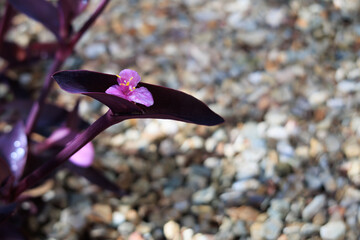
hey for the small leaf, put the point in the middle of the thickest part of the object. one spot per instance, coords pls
(40, 10)
(168, 103)
(13, 148)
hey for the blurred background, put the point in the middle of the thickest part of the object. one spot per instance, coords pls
(284, 165)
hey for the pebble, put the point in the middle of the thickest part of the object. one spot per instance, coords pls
(126, 228)
(73, 218)
(275, 17)
(352, 169)
(172, 230)
(309, 229)
(245, 185)
(292, 231)
(351, 148)
(276, 118)
(257, 231)
(102, 213)
(277, 133)
(204, 196)
(313, 207)
(95, 50)
(272, 228)
(239, 228)
(245, 213)
(118, 218)
(253, 38)
(247, 170)
(333, 230)
(278, 208)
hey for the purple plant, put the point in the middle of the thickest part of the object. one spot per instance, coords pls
(26, 161)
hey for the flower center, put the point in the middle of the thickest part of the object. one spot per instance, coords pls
(127, 83)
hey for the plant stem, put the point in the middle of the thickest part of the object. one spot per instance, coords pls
(90, 133)
(36, 108)
(89, 22)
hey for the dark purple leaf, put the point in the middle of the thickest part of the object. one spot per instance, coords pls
(13, 148)
(40, 10)
(168, 103)
(95, 177)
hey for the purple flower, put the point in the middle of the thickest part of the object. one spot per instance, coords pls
(126, 88)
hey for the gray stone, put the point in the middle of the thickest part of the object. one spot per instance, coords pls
(172, 230)
(239, 228)
(126, 228)
(272, 228)
(309, 229)
(246, 185)
(333, 230)
(278, 208)
(204, 196)
(95, 50)
(247, 170)
(313, 207)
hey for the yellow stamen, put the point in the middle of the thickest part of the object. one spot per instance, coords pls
(127, 83)
(118, 76)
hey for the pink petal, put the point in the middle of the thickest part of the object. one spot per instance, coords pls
(85, 156)
(141, 95)
(126, 75)
(58, 135)
(117, 91)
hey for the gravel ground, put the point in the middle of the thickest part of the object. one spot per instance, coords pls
(285, 164)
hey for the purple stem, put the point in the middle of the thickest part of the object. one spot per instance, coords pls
(35, 110)
(90, 133)
(89, 22)
(61, 56)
